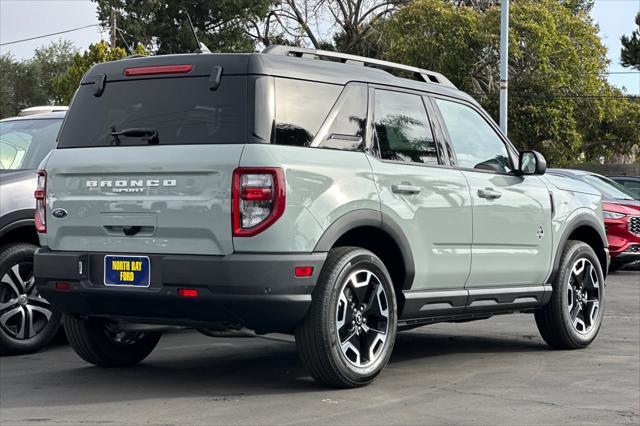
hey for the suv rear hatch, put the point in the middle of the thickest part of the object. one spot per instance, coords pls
(146, 155)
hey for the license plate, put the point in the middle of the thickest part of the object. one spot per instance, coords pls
(133, 271)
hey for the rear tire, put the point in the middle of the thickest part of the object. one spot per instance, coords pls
(574, 315)
(97, 343)
(27, 321)
(348, 334)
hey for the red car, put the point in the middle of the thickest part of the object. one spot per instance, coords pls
(623, 232)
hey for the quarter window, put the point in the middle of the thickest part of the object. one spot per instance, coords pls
(301, 108)
(476, 144)
(402, 128)
(348, 121)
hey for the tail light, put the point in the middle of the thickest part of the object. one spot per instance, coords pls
(40, 195)
(258, 199)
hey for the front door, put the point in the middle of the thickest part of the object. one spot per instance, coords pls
(512, 238)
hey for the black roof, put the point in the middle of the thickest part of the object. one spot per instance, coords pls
(303, 68)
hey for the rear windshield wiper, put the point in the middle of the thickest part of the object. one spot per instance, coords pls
(148, 134)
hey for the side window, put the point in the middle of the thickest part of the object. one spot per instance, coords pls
(402, 128)
(349, 120)
(476, 144)
(301, 108)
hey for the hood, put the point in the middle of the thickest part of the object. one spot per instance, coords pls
(622, 207)
(570, 184)
(11, 176)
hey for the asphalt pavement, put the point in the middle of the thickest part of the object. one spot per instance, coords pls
(495, 371)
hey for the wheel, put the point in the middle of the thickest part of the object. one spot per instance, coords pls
(100, 343)
(573, 317)
(348, 334)
(27, 321)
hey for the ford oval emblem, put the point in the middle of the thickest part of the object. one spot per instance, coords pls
(59, 213)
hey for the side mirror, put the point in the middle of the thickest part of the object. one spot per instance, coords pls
(532, 163)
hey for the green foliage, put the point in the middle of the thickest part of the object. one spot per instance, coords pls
(630, 54)
(30, 82)
(560, 102)
(65, 85)
(162, 26)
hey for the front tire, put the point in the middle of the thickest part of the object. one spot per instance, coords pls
(347, 337)
(574, 315)
(99, 343)
(27, 321)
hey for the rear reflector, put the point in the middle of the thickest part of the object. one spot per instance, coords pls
(161, 69)
(63, 286)
(303, 271)
(187, 292)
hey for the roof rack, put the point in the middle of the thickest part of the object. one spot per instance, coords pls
(303, 52)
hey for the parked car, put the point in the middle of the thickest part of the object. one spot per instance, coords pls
(27, 321)
(42, 110)
(304, 192)
(621, 216)
(630, 183)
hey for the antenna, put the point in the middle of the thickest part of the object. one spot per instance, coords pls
(201, 46)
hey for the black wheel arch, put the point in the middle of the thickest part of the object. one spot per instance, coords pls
(375, 226)
(586, 228)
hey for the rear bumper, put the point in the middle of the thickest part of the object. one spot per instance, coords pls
(258, 291)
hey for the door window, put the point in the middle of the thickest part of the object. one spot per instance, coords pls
(476, 144)
(402, 128)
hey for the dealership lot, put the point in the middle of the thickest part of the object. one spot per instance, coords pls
(495, 371)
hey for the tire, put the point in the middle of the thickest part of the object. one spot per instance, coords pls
(97, 343)
(27, 321)
(556, 321)
(352, 278)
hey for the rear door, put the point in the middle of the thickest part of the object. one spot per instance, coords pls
(429, 201)
(512, 238)
(147, 194)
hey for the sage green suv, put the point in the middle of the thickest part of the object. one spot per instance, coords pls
(304, 192)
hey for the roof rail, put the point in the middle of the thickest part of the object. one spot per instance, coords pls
(303, 52)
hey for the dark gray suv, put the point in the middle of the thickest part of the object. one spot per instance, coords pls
(27, 321)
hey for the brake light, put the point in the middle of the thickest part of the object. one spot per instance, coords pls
(258, 199)
(160, 69)
(40, 195)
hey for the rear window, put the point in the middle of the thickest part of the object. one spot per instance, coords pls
(181, 110)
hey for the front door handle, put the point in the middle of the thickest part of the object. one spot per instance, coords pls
(405, 189)
(489, 193)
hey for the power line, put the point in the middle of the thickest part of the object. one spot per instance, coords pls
(48, 35)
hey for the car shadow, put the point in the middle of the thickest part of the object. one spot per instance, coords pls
(227, 369)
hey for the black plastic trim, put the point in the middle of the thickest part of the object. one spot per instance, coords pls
(376, 219)
(583, 219)
(258, 291)
(17, 219)
(431, 305)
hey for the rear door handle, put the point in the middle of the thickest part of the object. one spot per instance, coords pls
(489, 193)
(405, 189)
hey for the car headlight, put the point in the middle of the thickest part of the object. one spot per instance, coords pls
(613, 215)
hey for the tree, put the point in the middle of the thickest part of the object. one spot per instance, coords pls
(560, 103)
(162, 26)
(29, 82)
(630, 54)
(65, 85)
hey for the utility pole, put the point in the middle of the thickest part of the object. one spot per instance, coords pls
(113, 29)
(504, 63)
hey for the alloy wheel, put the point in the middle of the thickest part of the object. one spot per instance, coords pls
(362, 318)
(23, 313)
(583, 296)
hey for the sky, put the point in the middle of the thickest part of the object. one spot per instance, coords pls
(26, 18)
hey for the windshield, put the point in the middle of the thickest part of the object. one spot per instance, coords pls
(180, 110)
(25, 143)
(609, 188)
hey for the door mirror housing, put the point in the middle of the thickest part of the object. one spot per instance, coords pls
(532, 163)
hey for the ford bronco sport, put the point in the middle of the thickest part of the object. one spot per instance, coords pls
(330, 196)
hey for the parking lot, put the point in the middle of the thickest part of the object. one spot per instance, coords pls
(496, 371)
